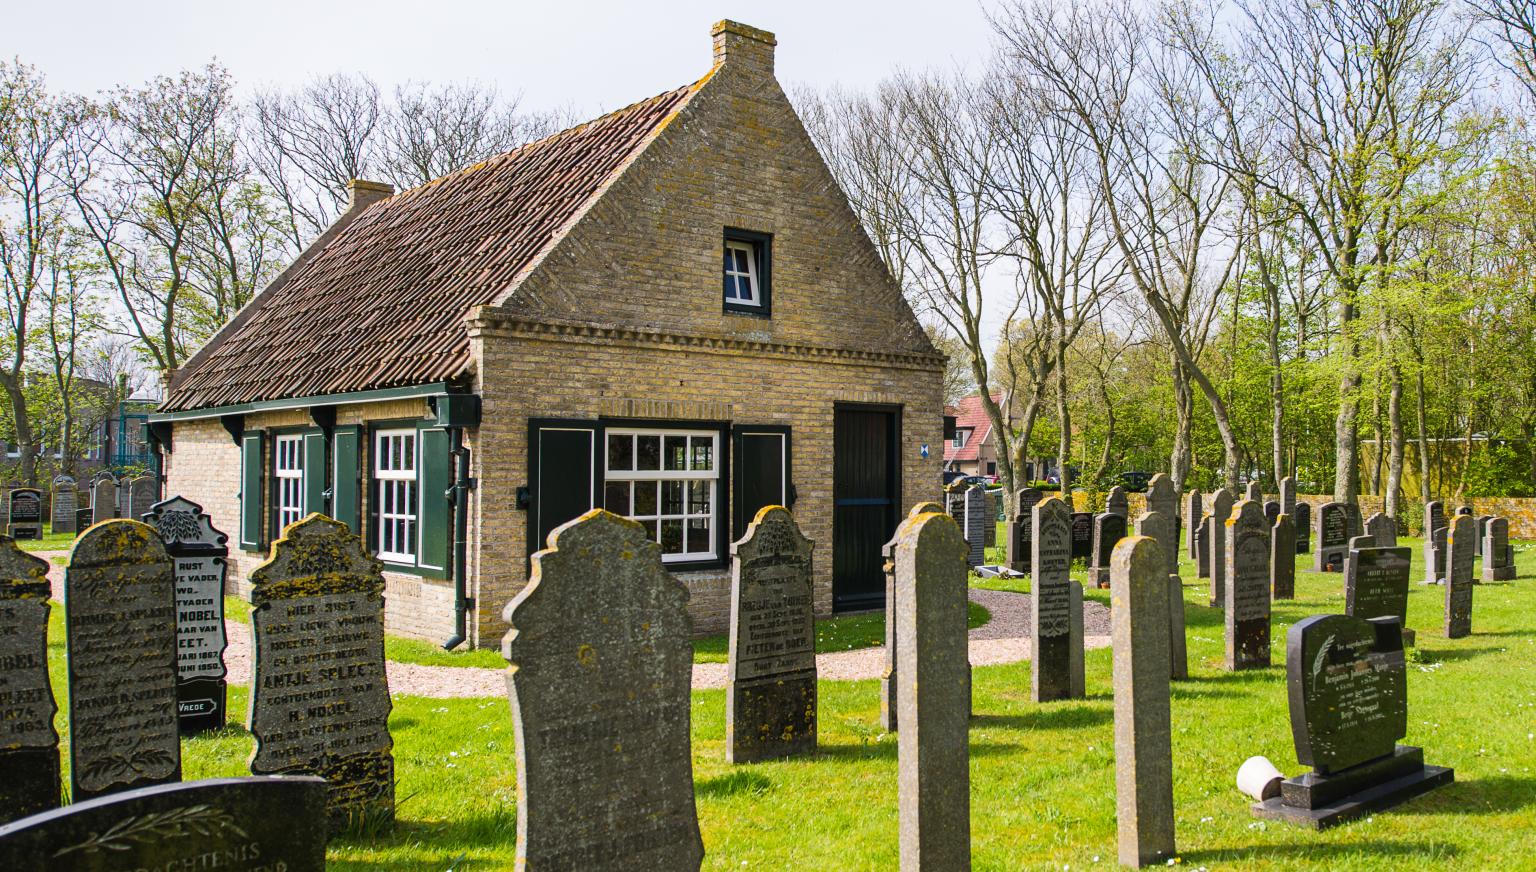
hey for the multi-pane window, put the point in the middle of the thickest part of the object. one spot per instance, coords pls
(668, 480)
(741, 281)
(288, 479)
(394, 474)
(960, 438)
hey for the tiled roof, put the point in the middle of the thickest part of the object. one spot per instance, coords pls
(381, 305)
(970, 415)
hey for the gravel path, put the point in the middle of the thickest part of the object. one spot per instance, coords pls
(1003, 639)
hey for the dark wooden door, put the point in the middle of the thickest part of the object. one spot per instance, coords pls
(864, 496)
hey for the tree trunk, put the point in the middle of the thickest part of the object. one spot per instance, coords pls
(1109, 434)
(24, 436)
(1184, 403)
(1064, 416)
(1394, 493)
(1424, 491)
(1276, 399)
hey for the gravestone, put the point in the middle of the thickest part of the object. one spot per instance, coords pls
(1498, 563)
(888, 707)
(1216, 536)
(1203, 547)
(1194, 510)
(29, 746)
(1161, 497)
(1303, 524)
(1382, 530)
(1464, 510)
(770, 699)
(103, 499)
(1247, 606)
(954, 502)
(604, 767)
(933, 746)
(25, 513)
(1288, 496)
(1143, 718)
(995, 508)
(120, 611)
(1108, 529)
(143, 493)
(1055, 658)
(1271, 511)
(1356, 524)
(234, 824)
(1376, 585)
(1254, 493)
(1434, 517)
(1332, 530)
(1117, 503)
(1349, 706)
(1434, 556)
(201, 559)
(320, 699)
(977, 517)
(1482, 529)
(1019, 530)
(1156, 526)
(1282, 558)
(63, 511)
(1458, 577)
(1082, 536)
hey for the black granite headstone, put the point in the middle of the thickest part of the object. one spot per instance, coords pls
(1020, 529)
(1333, 532)
(1082, 536)
(1376, 583)
(271, 824)
(1271, 511)
(1303, 521)
(200, 555)
(1108, 529)
(26, 513)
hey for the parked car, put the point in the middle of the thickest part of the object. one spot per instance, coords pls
(952, 475)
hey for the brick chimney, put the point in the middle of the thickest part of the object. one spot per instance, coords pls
(743, 46)
(365, 193)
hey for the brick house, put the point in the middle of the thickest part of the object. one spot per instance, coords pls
(657, 312)
(971, 449)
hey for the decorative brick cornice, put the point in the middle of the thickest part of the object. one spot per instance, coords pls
(486, 321)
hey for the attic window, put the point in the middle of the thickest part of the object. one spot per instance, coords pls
(747, 271)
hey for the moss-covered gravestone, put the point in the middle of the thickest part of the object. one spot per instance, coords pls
(888, 709)
(1143, 729)
(120, 613)
(319, 696)
(600, 674)
(29, 746)
(770, 697)
(1159, 528)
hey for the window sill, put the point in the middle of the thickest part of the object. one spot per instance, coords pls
(748, 311)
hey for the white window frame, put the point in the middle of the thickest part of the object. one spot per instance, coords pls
(637, 478)
(962, 436)
(750, 249)
(288, 479)
(399, 517)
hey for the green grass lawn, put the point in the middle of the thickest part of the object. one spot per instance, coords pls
(842, 633)
(51, 541)
(1042, 776)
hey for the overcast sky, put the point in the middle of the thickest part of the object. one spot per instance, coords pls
(592, 56)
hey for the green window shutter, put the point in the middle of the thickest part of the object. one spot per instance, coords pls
(314, 472)
(434, 472)
(562, 472)
(761, 474)
(252, 476)
(345, 495)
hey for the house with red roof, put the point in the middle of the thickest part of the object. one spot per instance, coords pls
(654, 313)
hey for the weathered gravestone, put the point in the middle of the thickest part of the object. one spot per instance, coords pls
(1303, 524)
(1247, 606)
(995, 507)
(1020, 529)
(1458, 577)
(1143, 719)
(143, 493)
(235, 824)
(599, 678)
(954, 503)
(1108, 529)
(1356, 524)
(1058, 656)
(1434, 556)
(1082, 536)
(1376, 585)
(29, 747)
(103, 498)
(1349, 706)
(1498, 562)
(1254, 493)
(320, 699)
(1434, 517)
(120, 614)
(1216, 537)
(1117, 503)
(1288, 496)
(200, 555)
(770, 698)
(1382, 530)
(63, 510)
(1203, 547)
(1282, 558)
(1158, 527)
(933, 746)
(977, 517)
(1194, 511)
(1482, 529)
(25, 513)
(888, 706)
(1332, 529)
(1271, 511)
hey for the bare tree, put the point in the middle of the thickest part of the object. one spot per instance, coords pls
(1514, 23)
(430, 132)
